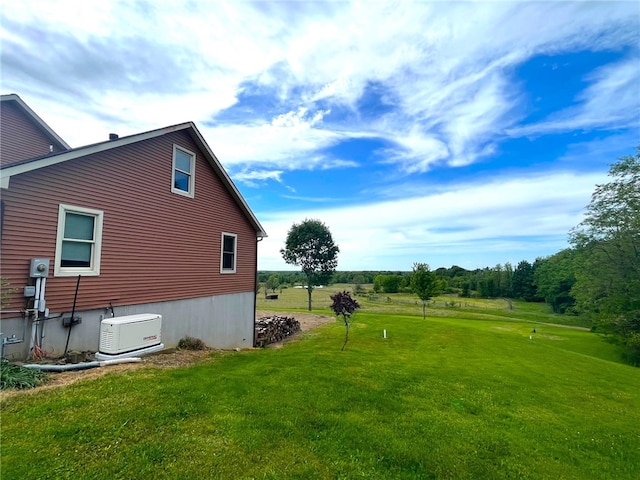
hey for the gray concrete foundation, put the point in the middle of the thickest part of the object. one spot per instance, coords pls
(221, 321)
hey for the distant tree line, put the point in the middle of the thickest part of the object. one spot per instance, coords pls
(495, 282)
(292, 278)
(550, 279)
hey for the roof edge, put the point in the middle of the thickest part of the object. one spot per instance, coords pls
(34, 116)
(7, 171)
(220, 170)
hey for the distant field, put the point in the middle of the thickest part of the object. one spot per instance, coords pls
(408, 304)
(469, 393)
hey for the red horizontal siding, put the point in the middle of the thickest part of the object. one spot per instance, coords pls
(156, 245)
(21, 137)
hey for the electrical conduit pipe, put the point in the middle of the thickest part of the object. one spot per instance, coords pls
(34, 325)
(81, 366)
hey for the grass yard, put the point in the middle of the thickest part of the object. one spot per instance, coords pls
(464, 394)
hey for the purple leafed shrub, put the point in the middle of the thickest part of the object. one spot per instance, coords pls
(344, 305)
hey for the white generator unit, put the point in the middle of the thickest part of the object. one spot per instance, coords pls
(130, 336)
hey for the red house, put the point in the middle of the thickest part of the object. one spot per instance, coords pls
(145, 223)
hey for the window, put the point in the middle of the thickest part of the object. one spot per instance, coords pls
(229, 248)
(79, 241)
(184, 166)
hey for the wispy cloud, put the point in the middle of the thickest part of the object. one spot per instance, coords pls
(609, 102)
(449, 76)
(254, 177)
(523, 209)
(314, 199)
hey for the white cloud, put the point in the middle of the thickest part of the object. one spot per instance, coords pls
(275, 143)
(418, 151)
(298, 120)
(313, 199)
(254, 177)
(161, 64)
(479, 218)
(610, 101)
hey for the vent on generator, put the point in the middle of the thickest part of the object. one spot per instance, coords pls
(130, 336)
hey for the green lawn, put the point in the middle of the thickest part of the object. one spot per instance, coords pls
(469, 395)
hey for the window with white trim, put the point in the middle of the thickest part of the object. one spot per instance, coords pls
(229, 253)
(184, 171)
(79, 241)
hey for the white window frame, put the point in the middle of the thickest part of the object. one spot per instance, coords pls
(192, 172)
(235, 252)
(96, 250)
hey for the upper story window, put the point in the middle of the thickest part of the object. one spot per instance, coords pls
(79, 241)
(229, 253)
(184, 171)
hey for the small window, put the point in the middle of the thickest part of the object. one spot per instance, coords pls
(183, 178)
(79, 241)
(229, 248)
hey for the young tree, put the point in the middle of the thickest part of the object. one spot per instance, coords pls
(608, 257)
(344, 305)
(424, 284)
(273, 282)
(507, 280)
(377, 283)
(310, 246)
(496, 275)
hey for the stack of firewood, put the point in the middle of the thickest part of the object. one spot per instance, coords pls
(274, 329)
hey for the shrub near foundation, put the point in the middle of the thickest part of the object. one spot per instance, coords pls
(190, 343)
(15, 376)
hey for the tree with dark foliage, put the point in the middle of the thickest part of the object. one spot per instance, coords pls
(344, 305)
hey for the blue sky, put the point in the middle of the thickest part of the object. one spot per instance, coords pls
(450, 133)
